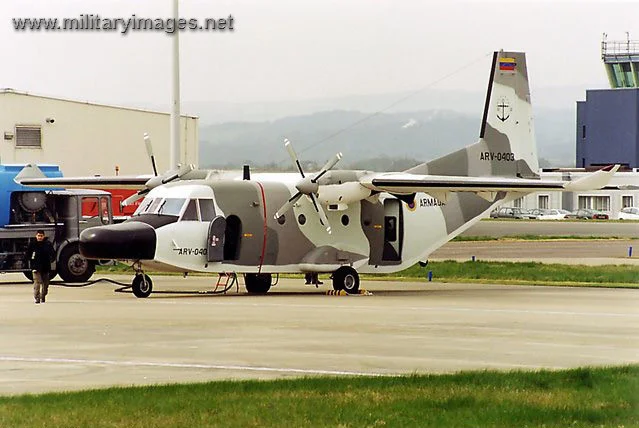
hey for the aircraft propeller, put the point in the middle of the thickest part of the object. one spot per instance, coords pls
(308, 186)
(156, 180)
(153, 182)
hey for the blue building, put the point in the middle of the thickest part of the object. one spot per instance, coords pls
(608, 128)
(608, 121)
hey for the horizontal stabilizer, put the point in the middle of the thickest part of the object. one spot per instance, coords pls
(596, 180)
(411, 183)
(406, 183)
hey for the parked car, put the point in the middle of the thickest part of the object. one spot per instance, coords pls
(586, 213)
(629, 213)
(536, 212)
(509, 212)
(551, 215)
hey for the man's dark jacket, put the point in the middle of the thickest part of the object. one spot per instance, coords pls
(40, 255)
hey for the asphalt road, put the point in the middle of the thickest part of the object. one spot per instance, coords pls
(92, 337)
(556, 228)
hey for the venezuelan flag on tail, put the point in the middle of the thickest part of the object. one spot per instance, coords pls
(507, 64)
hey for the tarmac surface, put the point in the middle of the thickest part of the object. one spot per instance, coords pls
(92, 337)
(621, 229)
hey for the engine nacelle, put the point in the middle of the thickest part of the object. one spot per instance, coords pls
(342, 194)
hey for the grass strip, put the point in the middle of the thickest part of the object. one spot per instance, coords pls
(482, 238)
(565, 220)
(524, 273)
(584, 397)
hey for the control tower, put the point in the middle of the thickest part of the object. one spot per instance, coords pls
(608, 120)
(621, 59)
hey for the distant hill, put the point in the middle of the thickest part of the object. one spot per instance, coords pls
(392, 139)
(466, 102)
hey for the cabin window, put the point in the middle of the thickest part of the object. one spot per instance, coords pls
(390, 228)
(171, 206)
(207, 209)
(190, 213)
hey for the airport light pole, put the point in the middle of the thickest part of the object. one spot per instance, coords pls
(174, 153)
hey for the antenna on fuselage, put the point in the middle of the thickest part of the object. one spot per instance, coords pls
(246, 172)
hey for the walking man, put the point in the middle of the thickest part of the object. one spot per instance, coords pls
(40, 254)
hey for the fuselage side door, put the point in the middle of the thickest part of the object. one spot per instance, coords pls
(215, 239)
(393, 231)
(242, 203)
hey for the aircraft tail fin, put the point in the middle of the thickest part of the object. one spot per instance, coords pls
(506, 145)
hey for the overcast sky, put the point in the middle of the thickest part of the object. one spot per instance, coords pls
(292, 49)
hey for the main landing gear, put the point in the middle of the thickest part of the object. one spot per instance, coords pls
(257, 283)
(346, 278)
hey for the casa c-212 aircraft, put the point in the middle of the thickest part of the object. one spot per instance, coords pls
(341, 222)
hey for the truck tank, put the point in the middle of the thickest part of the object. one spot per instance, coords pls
(31, 200)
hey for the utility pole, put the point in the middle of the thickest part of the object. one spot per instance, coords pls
(174, 158)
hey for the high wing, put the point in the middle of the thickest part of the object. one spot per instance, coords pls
(132, 182)
(406, 183)
(31, 175)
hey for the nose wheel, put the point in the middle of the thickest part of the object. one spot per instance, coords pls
(346, 278)
(141, 285)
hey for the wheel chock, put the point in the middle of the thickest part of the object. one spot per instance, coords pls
(360, 292)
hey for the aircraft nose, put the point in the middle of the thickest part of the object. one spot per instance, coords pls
(130, 240)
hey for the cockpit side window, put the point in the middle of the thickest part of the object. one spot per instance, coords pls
(171, 206)
(207, 209)
(190, 213)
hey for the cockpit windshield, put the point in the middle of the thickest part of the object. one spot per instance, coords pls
(171, 206)
(161, 206)
(144, 206)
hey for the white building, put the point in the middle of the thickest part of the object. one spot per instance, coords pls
(610, 201)
(88, 139)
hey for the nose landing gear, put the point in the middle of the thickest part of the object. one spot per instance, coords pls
(142, 286)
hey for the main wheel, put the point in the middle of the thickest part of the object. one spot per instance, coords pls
(346, 278)
(73, 266)
(257, 283)
(142, 285)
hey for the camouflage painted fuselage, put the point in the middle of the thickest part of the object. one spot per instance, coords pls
(297, 242)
